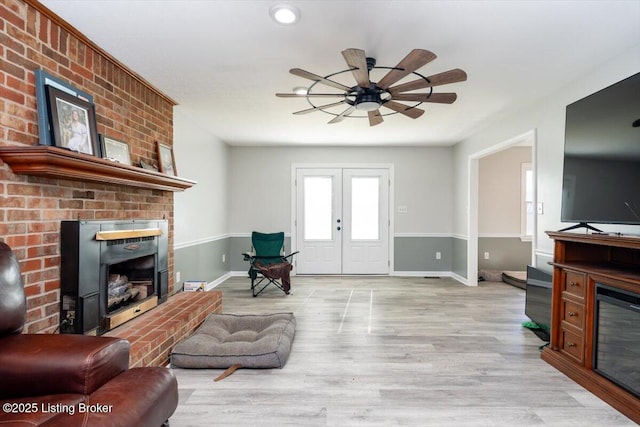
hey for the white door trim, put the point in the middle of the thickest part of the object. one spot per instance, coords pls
(529, 137)
(388, 166)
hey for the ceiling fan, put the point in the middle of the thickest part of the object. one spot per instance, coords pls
(368, 96)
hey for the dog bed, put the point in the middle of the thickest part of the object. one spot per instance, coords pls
(231, 340)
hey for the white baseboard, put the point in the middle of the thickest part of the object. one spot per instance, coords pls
(460, 279)
(451, 274)
(219, 280)
(421, 273)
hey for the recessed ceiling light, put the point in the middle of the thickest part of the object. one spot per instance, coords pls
(284, 14)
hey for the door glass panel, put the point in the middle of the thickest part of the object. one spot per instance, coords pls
(365, 215)
(317, 207)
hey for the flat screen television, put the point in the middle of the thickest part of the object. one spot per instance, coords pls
(601, 175)
(538, 300)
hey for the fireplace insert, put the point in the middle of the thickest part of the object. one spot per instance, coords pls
(617, 337)
(111, 272)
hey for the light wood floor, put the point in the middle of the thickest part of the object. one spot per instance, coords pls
(388, 351)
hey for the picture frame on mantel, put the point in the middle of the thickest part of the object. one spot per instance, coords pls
(73, 122)
(115, 150)
(166, 160)
(42, 81)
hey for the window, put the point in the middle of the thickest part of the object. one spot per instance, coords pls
(365, 221)
(317, 208)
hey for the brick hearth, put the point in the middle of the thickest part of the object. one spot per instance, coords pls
(154, 334)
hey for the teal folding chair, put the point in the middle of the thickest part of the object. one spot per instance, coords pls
(268, 264)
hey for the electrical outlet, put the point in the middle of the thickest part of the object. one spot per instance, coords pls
(177, 277)
(438, 255)
(224, 258)
(486, 255)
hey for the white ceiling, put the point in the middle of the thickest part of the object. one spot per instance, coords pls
(224, 60)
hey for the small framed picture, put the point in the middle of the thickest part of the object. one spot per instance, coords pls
(73, 122)
(166, 160)
(115, 150)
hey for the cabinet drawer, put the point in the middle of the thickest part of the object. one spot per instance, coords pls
(574, 314)
(573, 345)
(574, 283)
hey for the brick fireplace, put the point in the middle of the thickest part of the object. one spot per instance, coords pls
(32, 207)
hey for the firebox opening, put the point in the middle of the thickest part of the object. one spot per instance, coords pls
(130, 282)
(111, 272)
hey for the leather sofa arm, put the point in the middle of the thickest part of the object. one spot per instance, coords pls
(140, 397)
(40, 364)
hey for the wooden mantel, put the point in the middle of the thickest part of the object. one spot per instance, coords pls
(56, 162)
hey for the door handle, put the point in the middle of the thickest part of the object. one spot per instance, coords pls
(338, 228)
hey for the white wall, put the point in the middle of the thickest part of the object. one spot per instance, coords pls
(546, 116)
(201, 211)
(260, 184)
(499, 191)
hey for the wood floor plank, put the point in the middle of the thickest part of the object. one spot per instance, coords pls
(390, 351)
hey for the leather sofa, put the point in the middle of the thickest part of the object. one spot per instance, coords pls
(72, 380)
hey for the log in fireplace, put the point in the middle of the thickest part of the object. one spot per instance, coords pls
(111, 272)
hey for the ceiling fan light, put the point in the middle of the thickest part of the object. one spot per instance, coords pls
(299, 90)
(368, 106)
(368, 101)
(284, 14)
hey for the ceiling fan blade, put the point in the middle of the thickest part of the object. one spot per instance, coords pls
(414, 60)
(316, 78)
(310, 95)
(440, 98)
(412, 112)
(357, 60)
(375, 118)
(341, 116)
(320, 107)
(451, 76)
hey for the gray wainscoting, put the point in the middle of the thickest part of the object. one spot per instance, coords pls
(413, 254)
(460, 257)
(505, 253)
(203, 261)
(418, 253)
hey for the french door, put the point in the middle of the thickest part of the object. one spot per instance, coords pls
(342, 221)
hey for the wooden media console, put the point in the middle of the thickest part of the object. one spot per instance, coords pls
(584, 263)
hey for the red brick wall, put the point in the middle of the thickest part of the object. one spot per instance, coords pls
(127, 108)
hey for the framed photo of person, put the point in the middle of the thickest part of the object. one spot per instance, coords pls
(115, 150)
(166, 160)
(44, 80)
(73, 122)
